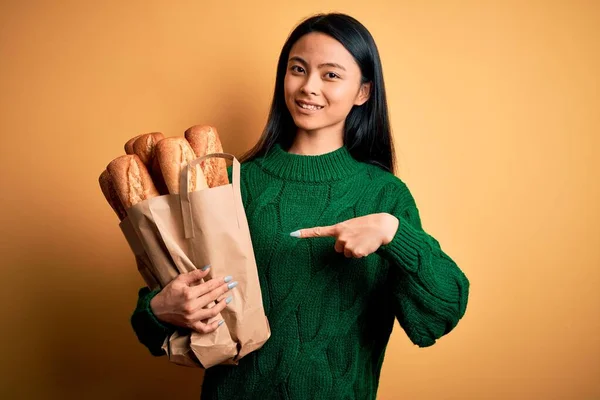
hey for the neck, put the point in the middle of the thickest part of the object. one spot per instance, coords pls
(314, 143)
(327, 167)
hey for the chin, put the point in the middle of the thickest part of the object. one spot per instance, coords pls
(309, 122)
(308, 127)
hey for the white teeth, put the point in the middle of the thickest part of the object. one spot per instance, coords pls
(310, 106)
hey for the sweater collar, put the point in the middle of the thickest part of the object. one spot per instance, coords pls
(332, 166)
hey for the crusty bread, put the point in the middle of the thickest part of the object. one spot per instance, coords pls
(129, 144)
(110, 193)
(173, 154)
(204, 140)
(131, 179)
(144, 146)
(157, 176)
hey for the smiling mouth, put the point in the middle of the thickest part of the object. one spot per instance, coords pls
(310, 107)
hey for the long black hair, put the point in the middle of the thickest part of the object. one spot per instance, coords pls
(367, 133)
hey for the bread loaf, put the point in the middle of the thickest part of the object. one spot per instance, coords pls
(129, 144)
(173, 154)
(144, 146)
(131, 179)
(157, 176)
(204, 140)
(110, 194)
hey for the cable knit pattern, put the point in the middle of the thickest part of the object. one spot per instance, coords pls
(331, 317)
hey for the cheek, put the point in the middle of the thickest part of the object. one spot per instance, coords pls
(290, 84)
(288, 89)
(341, 97)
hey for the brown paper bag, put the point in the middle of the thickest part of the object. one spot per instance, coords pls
(144, 264)
(178, 348)
(178, 233)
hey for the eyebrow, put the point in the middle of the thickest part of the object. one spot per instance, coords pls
(328, 64)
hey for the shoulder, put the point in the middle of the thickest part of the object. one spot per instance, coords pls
(378, 178)
(244, 168)
(386, 189)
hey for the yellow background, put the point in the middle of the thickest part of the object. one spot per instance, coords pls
(495, 109)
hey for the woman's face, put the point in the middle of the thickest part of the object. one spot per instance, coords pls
(322, 84)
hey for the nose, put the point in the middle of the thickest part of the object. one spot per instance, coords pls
(312, 85)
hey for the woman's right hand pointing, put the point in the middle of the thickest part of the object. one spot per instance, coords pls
(183, 302)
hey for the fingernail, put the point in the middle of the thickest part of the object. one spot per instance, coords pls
(221, 322)
(228, 279)
(228, 300)
(295, 234)
(206, 267)
(232, 285)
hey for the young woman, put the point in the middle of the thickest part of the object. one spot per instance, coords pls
(338, 241)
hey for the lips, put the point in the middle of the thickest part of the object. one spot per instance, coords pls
(305, 105)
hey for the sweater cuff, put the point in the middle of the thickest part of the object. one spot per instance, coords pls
(404, 247)
(149, 329)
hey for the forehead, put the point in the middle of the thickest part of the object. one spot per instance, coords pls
(317, 47)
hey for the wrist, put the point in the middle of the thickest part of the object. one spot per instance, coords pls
(390, 225)
(155, 305)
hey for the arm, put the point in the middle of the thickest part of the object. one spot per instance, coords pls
(181, 303)
(429, 291)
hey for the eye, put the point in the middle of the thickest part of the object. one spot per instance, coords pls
(297, 68)
(332, 75)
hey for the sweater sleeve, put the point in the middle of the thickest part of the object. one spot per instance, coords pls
(149, 330)
(429, 291)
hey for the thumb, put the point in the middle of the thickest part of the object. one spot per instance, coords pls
(196, 275)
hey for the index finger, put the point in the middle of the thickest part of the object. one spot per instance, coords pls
(208, 286)
(318, 231)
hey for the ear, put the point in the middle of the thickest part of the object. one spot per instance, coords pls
(363, 94)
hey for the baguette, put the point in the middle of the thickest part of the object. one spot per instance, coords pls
(157, 176)
(110, 193)
(144, 264)
(204, 140)
(173, 154)
(132, 180)
(144, 146)
(129, 144)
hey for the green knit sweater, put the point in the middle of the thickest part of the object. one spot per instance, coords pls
(330, 316)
